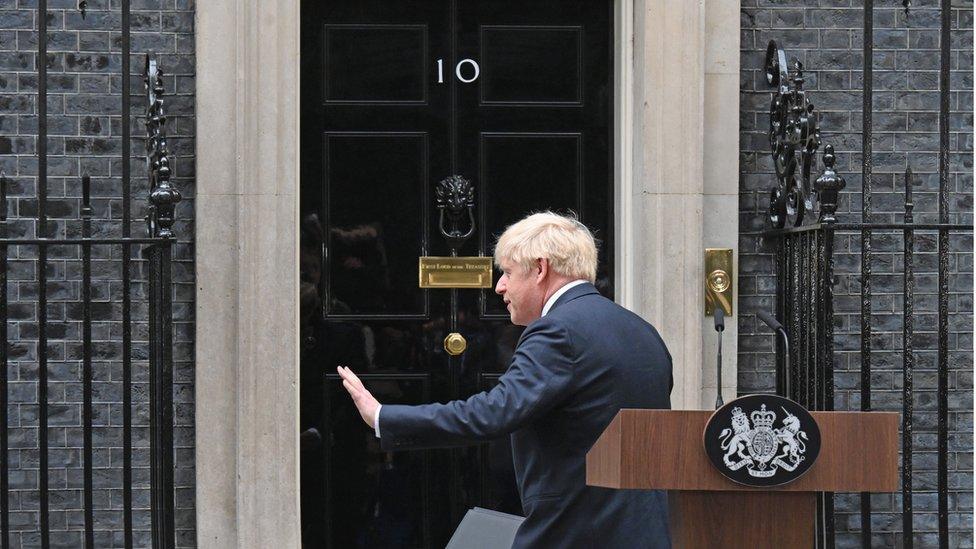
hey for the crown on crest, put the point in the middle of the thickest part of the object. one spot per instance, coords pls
(762, 418)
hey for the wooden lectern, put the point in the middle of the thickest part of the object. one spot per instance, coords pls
(663, 449)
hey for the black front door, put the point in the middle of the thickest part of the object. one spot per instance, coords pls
(397, 95)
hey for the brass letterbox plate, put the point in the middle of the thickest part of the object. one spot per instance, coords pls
(455, 272)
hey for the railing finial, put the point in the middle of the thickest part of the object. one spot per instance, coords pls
(162, 195)
(828, 186)
(3, 196)
(86, 208)
(909, 203)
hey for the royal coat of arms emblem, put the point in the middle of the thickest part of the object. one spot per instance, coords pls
(761, 448)
(748, 445)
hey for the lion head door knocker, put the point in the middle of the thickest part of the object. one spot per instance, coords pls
(455, 196)
(794, 130)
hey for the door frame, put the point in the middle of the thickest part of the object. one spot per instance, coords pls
(676, 104)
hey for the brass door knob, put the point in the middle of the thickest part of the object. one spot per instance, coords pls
(455, 344)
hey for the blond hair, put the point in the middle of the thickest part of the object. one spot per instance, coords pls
(563, 240)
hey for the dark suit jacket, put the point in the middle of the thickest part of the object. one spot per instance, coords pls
(573, 369)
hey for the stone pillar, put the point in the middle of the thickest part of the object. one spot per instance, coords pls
(247, 263)
(721, 176)
(683, 195)
(667, 198)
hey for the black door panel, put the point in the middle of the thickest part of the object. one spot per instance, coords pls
(531, 66)
(376, 64)
(372, 240)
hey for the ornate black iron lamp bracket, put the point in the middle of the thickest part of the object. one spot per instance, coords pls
(794, 138)
(163, 197)
(454, 196)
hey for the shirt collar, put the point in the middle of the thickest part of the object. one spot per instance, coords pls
(558, 293)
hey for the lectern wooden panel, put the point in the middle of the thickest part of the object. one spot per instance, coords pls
(718, 519)
(663, 449)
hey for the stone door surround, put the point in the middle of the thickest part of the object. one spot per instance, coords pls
(676, 124)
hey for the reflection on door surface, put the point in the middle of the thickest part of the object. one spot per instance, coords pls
(396, 96)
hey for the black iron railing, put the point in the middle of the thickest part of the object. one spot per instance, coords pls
(806, 279)
(156, 250)
(805, 267)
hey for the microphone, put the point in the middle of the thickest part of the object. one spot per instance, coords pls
(770, 320)
(774, 325)
(719, 327)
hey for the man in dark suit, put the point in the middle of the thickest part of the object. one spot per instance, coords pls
(581, 359)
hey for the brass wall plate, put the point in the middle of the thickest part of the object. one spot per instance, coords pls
(719, 279)
(455, 272)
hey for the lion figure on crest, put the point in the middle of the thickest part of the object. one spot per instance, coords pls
(738, 442)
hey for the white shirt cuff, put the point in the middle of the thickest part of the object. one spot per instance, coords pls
(376, 421)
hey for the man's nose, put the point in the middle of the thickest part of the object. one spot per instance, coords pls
(500, 286)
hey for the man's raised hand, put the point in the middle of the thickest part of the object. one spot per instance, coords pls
(362, 398)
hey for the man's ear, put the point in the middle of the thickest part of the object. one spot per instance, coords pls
(543, 269)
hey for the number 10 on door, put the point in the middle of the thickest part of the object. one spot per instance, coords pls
(473, 72)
